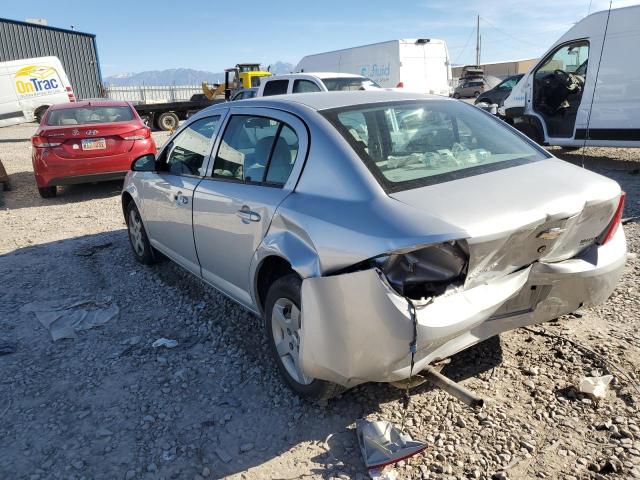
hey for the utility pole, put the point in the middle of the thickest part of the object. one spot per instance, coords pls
(478, 42)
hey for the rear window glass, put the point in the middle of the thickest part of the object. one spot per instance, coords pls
(348, 84)
(275, 87)
(412, 144)
(85, 115)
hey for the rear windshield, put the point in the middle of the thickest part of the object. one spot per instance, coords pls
(83, 115)
(348, 83)
(417, 143)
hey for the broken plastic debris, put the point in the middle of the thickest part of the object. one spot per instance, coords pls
(596, 386)
(382, 444)
(165, 342)
(64, 318)
(386, 473)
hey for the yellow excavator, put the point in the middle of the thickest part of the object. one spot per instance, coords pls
(243, 75)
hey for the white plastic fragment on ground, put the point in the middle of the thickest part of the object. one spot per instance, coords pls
(596, 386)
(386, 473)
(381, 443)
(165, 342)
(64, 318)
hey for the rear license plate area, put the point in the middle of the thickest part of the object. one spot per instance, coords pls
(93, 144)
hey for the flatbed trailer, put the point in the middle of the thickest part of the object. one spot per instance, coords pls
(165, 116)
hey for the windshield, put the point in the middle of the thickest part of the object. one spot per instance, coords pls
(349, 83)
(417, 143)
(84, 115)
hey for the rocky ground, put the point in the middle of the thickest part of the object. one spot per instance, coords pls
(109, 405)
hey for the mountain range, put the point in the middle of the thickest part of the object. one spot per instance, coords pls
(181, 76)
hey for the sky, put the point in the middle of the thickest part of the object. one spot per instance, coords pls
(141, 35)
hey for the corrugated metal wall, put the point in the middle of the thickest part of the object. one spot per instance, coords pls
(76, 51)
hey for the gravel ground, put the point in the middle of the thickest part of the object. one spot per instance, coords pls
(108, 405)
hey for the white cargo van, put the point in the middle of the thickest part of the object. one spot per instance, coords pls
(417, 65)
(28, 87)
(586, 89)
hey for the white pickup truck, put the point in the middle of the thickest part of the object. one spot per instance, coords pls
(313, 82)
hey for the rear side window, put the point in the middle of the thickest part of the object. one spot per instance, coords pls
(86, 115)
(305, 86)
(275, 87)
(256, 150)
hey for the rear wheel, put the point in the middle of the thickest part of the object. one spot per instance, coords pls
(282, 327)
(140, 245)
(39, 113)
(47, 192)
(476, 94)
(456, 95)
(168, 121)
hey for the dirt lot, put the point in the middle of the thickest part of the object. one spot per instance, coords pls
(109, 405)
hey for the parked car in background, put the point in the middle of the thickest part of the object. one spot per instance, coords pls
(87, 141)
(358, 223)
(419, 65)
(245, 94)
(474, 87)
(28, 87)
(498, 93)
(313, 82)
(584, 91)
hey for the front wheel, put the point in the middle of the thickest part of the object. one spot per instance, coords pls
(456, 95)
(282, 327)
(140, 245)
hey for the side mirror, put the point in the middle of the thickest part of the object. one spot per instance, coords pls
(145, 163)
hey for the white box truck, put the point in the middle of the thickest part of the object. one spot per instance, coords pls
(416, 65)
(28, 87)
(586, 89)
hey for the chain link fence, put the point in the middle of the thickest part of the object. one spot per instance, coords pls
(151, 94)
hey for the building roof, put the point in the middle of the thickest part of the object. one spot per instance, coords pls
(45, 27)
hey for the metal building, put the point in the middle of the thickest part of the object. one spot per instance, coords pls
(76, 50)
(501, 69)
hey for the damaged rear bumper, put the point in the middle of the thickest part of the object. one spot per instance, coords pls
(356, 328)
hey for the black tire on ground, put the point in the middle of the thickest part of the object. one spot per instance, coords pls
(168, 121)
(138, 239)
(456, 95)
(476, 94)
(39, 113)
(530, 131)
(289, 288)
(47, 192)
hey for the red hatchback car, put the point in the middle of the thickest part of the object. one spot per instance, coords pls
(87, 141)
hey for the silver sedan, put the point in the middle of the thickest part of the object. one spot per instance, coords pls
(375, 230)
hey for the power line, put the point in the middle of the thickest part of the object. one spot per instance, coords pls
(465, 46)
(508, 34)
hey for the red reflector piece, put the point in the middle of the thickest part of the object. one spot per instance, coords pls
(70, 94)
(614, 224)
(400, 85)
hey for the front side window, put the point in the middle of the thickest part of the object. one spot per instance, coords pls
(567, 58)
(256, 150)
(412, 144)
(187, 151)
(349, 84)
(275, 87)
(305, 86)
(87, 115)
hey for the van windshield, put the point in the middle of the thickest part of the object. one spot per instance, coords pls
(409, 144)
(349, 83)
(85, 115)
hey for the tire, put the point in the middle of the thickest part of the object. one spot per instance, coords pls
(476, 94)
(168, 121)
(47, 192)
(40, 113)
(284, 296)
(530, 131)
(456, 95)
(138, 239)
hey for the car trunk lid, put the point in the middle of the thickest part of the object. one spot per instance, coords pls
(544, 211)
(91, 140)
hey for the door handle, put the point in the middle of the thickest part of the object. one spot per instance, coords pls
(247, 215)
(180, 199)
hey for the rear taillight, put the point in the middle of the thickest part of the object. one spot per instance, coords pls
(400, 85)
(614, 224)
(70, 94)
(43, 142)
(140, 134)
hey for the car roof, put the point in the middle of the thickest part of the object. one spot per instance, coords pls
(327, 100)
(99, 102)
(320, 75)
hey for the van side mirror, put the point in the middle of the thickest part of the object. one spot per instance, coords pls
(145, 163)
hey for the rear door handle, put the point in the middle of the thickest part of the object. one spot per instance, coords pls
(247, 215)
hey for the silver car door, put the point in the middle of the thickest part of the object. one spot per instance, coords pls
(257, 163)
(168, 194)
